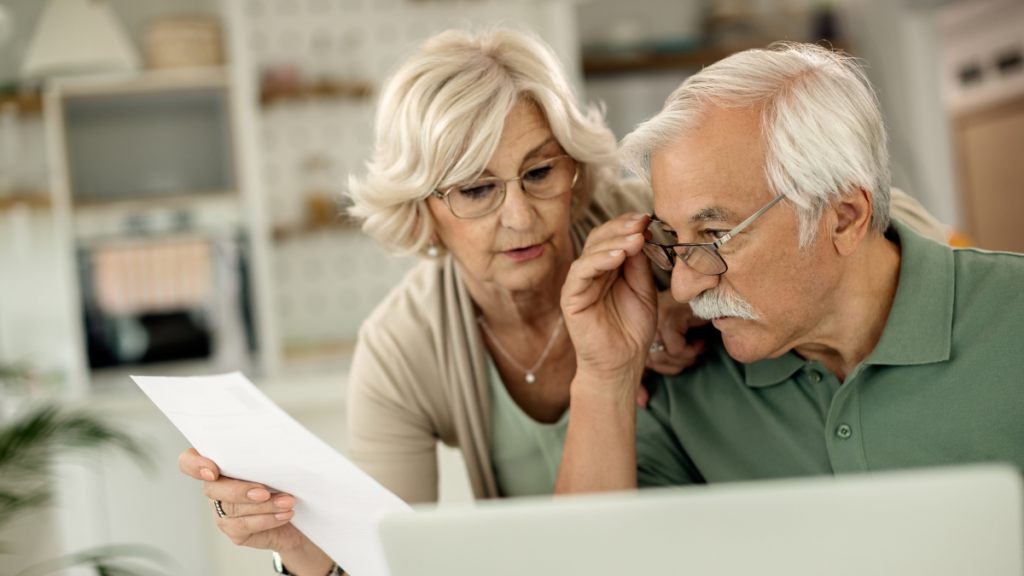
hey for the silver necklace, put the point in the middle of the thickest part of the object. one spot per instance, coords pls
(530, 378)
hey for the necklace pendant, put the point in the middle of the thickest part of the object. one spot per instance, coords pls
(530, 378)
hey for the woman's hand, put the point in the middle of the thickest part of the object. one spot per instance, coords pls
(674, 320)
(610, 304)
(254, 517)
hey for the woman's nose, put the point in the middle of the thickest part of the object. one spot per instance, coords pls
(517, 211)
(687, 283)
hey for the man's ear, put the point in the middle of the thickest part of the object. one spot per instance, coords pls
(852, 221)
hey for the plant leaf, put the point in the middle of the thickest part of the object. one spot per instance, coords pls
(108, 561)
(29, 445)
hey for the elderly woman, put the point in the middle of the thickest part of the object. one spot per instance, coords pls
(484, 165)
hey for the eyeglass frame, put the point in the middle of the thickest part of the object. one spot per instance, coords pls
(712, 246)
(443, 196)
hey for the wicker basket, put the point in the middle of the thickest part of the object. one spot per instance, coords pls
(184, 42)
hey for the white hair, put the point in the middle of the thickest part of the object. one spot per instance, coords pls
(820, 120)
(441, 115)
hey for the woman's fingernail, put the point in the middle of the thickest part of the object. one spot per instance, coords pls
(207, 474)
(284, 502)
(615, 252)
(637, 217)
(632, 237)
(283, 515)
(258, 494)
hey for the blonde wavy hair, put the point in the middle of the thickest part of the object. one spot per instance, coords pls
(439, 120)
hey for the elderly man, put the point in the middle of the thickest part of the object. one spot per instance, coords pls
(845, 341)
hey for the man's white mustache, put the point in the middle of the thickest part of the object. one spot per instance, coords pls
(714, 303)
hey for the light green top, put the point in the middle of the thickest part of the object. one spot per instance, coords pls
(944, 385)
(524, 453)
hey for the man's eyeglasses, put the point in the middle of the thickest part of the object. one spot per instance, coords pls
(702, 257)
(548, 179)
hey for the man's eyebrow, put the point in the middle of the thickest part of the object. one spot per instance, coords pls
(710, 213)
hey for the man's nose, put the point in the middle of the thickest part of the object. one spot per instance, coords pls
(517, 212)
(687, 283)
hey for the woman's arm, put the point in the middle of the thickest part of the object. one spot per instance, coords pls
(391, 436)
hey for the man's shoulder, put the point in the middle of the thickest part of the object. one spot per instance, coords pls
(988, 310)
(997, 277)
(974, 260)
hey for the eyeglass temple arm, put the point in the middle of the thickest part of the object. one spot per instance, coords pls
(718, 243)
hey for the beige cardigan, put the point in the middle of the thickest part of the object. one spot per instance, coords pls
(420, 369)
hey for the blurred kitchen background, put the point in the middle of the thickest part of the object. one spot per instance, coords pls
(170, 173)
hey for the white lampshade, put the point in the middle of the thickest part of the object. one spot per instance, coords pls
(78, 36)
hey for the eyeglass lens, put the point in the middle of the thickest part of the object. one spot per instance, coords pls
(703, 259)
(546, 179)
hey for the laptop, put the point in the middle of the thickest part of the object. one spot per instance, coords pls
(933, 522)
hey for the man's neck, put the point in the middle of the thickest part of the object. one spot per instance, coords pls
(858, 310)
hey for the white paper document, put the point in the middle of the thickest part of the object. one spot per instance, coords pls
(231, 422)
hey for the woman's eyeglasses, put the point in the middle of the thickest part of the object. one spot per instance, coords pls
(548, 179)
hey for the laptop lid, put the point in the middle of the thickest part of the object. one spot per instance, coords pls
(932, 522)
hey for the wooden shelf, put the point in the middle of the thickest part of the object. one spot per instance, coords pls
(596, 65)
(27, 104)
(34, 200)
(287, 232)
(322, 90)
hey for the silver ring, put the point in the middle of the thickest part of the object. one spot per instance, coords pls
(220, 511)
(657, 347)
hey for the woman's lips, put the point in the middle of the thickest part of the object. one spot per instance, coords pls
(524, 254)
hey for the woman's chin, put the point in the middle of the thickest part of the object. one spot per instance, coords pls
(526, 275)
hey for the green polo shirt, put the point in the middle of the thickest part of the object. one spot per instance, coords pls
(945, 385)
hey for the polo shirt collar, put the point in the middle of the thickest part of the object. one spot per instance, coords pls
(920, 325)
(771, 371)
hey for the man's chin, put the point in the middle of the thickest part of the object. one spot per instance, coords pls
(738, 341)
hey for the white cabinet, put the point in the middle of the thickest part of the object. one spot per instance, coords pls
(156, 245)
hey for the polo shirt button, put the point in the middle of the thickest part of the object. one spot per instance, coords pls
(844, 431)
(815, 376)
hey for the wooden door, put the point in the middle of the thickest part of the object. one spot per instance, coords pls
(990, 146)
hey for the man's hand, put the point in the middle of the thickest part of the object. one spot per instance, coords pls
(610, 307)
(610, 303)
(674, 320)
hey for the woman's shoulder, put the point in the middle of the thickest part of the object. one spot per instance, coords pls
(411, 306)
(396, 354)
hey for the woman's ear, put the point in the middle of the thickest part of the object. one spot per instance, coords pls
(852, 220)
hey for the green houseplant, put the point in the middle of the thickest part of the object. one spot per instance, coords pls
(32, 437)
